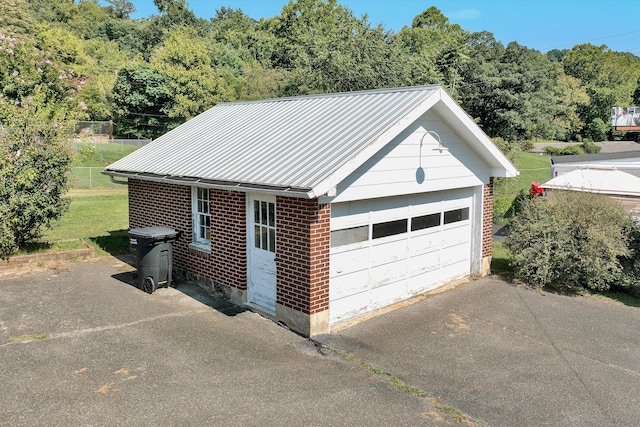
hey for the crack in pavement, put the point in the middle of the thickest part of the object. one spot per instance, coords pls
(79, 332)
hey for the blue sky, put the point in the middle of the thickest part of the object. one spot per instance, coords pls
(538, 24)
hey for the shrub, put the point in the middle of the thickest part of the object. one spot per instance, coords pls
(570, 239)
(589, 147)
(552, 151)
(87, 152)
(509, 149)
(34, 166)
(526, 145)
(631, 265)
(571, 150)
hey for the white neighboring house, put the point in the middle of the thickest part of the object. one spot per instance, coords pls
(615, 184)
(626, 161)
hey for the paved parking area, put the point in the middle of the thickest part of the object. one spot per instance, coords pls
(81, 346)
(510, 356)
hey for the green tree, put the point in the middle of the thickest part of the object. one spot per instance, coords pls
(64, 44)
(24, 70)
(143, 97)
(52, 11)
(439, 49)
(598, 129)
(131, 36)
(96, 78)
(327, 49)
(510, 91)
(121, 9)
(34, 164)
(175, 13)
(88, 15)
(259, 82)
(187, 60)
(572, 98)
(431, 18)
(636, 94)
(610, 78)
(16, 18)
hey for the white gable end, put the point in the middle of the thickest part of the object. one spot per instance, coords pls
(414, 162)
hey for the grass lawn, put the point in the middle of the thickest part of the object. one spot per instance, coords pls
(533, 167)
(500, 260)
(99, 216)
(88, 154)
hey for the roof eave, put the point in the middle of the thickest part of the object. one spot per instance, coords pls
(242, 187)
(501, 166)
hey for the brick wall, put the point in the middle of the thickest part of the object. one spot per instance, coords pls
(302, 259)
(487, 219)
(152, 203)
(303, 240)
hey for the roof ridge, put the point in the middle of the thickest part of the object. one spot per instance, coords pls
(337, 94)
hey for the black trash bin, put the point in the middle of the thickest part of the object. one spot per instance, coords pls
(154, 251)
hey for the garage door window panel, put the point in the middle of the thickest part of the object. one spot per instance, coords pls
(389, 228)
(349, 236)
(425, 221)
(456, 215)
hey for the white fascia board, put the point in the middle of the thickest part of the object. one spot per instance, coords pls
(328, 184)
(504, 167)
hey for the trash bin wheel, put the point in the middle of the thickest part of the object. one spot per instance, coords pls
(148, 285)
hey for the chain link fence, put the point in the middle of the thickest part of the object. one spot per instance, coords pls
(90, 177)
(93, 156)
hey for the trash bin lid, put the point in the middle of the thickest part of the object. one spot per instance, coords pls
(156, 233)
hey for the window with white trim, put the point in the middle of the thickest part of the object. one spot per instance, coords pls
(264, 223)
(201, 217)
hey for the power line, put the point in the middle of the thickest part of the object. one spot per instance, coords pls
(596, 39)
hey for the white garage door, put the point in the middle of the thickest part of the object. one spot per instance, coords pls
(384, 251)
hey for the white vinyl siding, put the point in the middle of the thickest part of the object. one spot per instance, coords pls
(395, 169)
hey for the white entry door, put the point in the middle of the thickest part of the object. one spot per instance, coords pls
(261, 289)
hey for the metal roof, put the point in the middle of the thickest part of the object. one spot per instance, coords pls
(592, 180)
(285, 144)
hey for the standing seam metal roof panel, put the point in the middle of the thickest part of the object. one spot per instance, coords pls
(293, 142)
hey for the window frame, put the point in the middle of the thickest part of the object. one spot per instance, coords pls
(452, 216)
(264, 225)
(198, 240)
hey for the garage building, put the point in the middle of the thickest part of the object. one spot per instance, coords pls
(316, 209)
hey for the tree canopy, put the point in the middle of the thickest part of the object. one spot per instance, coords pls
(151, 74)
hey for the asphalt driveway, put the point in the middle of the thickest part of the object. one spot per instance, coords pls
(510, 356)
(80, 346)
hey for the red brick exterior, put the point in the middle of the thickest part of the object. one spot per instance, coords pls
(302, 258)
(302, 239)
(487, 219)
(152, 203)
